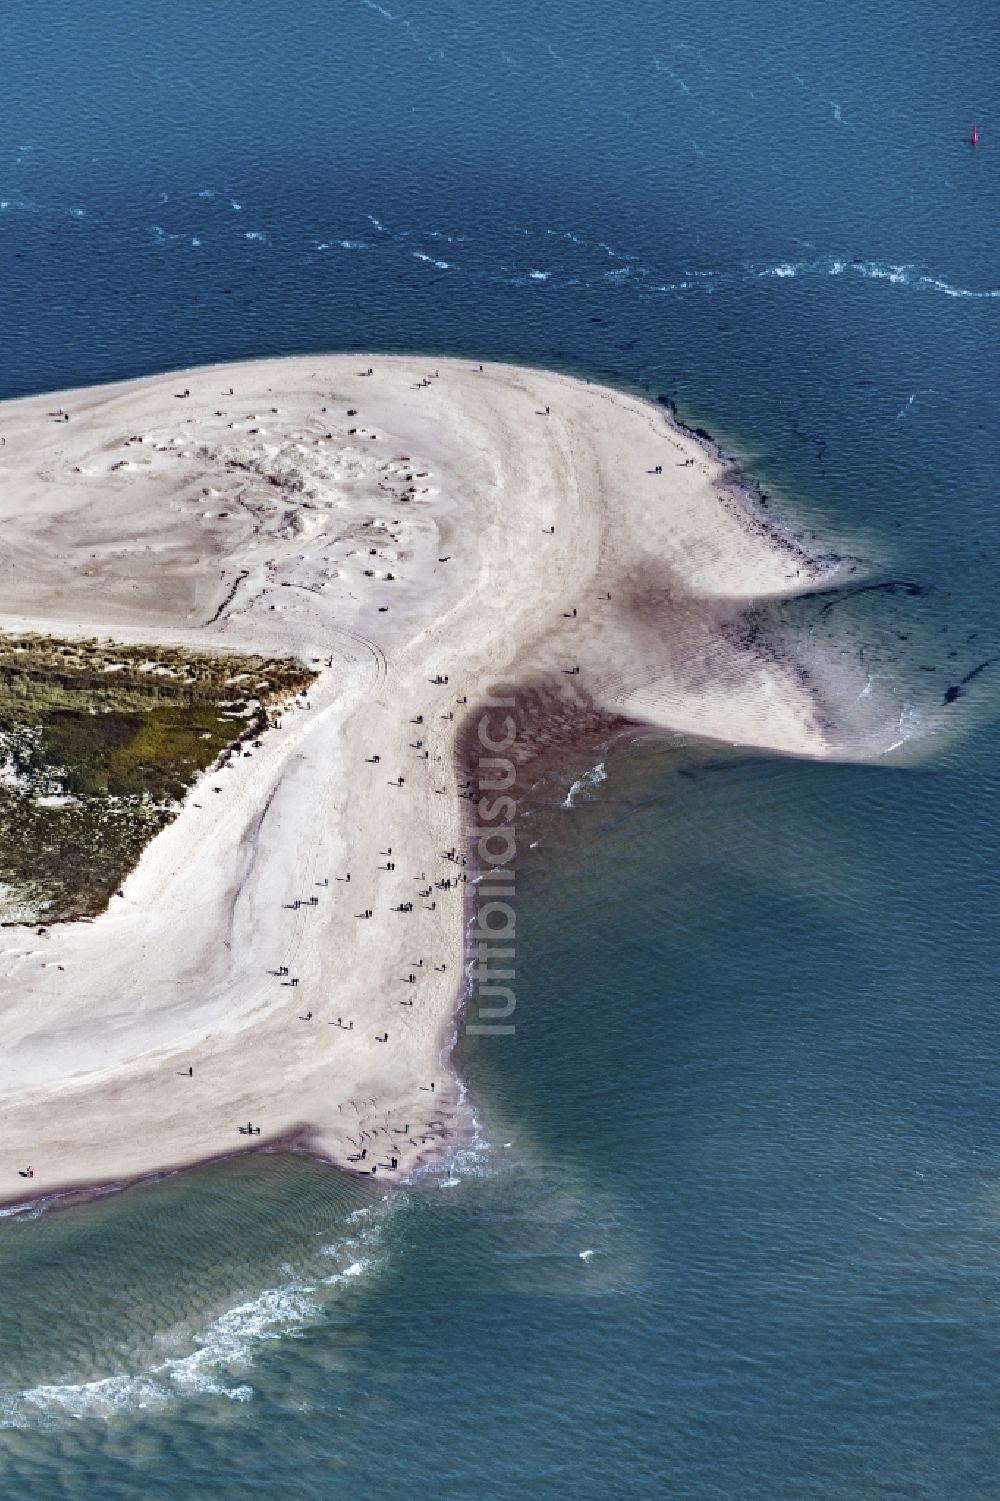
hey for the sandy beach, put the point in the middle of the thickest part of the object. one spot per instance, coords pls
(420, 535)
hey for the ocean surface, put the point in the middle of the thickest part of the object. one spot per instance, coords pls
(730, 1229)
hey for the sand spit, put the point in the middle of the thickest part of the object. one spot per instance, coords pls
(419, 534)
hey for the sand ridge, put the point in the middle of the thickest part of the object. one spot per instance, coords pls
(429, 520)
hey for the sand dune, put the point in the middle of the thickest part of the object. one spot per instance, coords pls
(493, 526)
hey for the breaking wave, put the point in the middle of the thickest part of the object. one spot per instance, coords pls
(221, 1355)
(586, 783)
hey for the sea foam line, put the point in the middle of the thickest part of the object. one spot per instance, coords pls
(592, 778)
(892, 273)
(225, 1347)
(896, 273)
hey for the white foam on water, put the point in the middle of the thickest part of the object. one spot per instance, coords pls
(904, 409)
(911, 725)
(31, 1209)
(25, 1212)
(474, 1158)
(879, 271)
(674, 77)
(936, 284)
(896, 274)
(590, 779)
(162, 237)
(354, 1270)
(114, 1394)
(226, 1346)
(617, 255)
(234, 1337)
(900, 274)
(257, 234)
(360, 1251)
(230, 1341)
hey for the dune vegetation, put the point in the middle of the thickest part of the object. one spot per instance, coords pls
(98, 745)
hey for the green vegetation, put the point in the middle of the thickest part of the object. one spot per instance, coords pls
(98, 745)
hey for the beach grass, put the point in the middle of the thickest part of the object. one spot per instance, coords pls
(99, 744)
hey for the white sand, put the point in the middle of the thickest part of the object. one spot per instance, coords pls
(146, 540)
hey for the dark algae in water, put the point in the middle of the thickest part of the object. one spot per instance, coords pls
(100, 743)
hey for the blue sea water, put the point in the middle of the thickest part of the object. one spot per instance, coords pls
(730, 1226)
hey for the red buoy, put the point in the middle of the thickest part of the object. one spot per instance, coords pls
(974, 137)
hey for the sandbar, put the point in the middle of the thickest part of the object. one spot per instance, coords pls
(424, 534)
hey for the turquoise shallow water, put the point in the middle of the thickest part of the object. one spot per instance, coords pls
(730, 1226)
